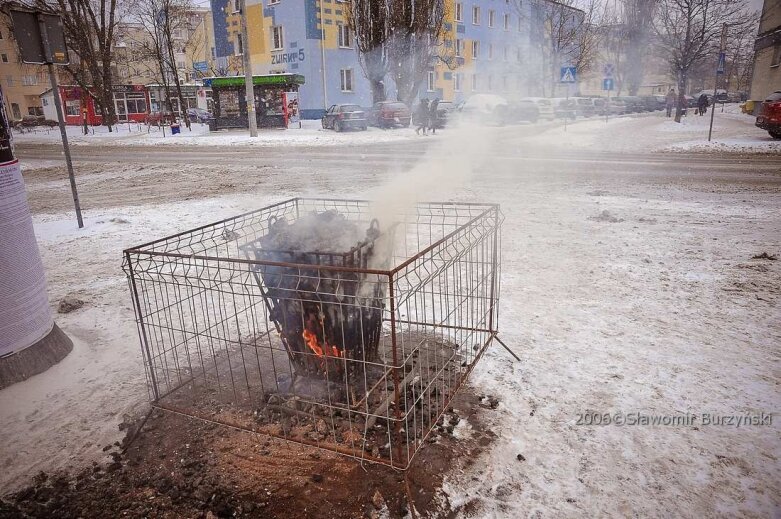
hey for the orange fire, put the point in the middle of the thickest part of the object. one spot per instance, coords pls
(329, 350)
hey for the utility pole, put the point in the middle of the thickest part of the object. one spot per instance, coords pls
(719, 71)
(249, 87)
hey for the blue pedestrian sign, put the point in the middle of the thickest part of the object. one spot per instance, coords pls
(722, 60)
(569, 75)
(201, 66)
(607, 83)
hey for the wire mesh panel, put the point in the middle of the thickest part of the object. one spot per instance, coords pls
(313, 321)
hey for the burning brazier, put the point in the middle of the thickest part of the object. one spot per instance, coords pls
(324, 317)
(310, 321)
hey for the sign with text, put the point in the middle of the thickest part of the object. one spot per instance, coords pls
(292, 111)
(722, 63)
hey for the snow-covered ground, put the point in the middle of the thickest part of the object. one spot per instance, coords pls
(654, 306)
(134, 134)
(733, 132)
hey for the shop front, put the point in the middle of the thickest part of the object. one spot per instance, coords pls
(195, 96)
(130, 104)
(272, 105)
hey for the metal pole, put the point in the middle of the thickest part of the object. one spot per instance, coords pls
(60, 119)
(322, 58)
(716, 81)
(249, 88)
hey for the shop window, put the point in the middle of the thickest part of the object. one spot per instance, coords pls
(73, 107)
(229, 103)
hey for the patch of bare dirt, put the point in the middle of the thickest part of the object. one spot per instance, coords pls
(176, 466)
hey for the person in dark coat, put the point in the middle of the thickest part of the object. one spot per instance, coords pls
(422, 116)
(433, 115)
(702, 105)
(670, 101)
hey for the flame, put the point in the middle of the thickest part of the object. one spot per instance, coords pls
(329, 350)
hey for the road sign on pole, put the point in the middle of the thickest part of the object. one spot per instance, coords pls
(722, 62)
(42, 41)
(568, 75)
(607, 84)
(608, 70)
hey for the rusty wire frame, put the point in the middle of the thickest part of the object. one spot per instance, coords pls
(216, 348)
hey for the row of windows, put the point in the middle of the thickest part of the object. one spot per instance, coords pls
(490, 55)
(491, 17)
(344, 36)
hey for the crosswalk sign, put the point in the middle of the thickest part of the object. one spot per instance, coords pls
(568, 75)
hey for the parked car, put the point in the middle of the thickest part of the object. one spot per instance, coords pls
(486, 108)
(584, 106)
(563, 107)
(444, 109)
(633, 104)
(388, 114)
(616, 106)
(522, 110)
(544, 107)
(654, 103)
(345, 117)
(691, 101)
(769, 117)
(198, 115)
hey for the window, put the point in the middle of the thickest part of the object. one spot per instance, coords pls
(44, 101)
(73, 107)
(475, 15)
(459, 12)
(30, 80)
(776, 56)
(474, 82)
(347, 79)
(431, 80)
(520, 24)
(490, 82)
(272, 2)
(491, 17)
(239, 45)
(4, 58)
(9, 80)
(507, 22)
(459, 48)
(490, 51)
(457, 81)
(506, 53)
(518, 56)
(475, 49)
(344, 37)
(506, 82)
(236, 6)
(1, 35)
(277, 38)
(16, 111)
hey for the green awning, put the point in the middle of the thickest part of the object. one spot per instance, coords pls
(270, 79)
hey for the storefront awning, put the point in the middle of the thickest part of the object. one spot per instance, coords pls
(271, 79)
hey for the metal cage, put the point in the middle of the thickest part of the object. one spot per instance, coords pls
(359, 352)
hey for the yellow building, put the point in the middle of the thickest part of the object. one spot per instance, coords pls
(21, 84)
(767, 52)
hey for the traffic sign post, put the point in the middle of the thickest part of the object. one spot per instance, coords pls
(568, 76)
(719, 71)
(607, 84)
(41, 40)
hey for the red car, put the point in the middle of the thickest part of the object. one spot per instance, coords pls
(770, 117)
(388, 114)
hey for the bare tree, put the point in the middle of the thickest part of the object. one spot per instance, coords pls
(90, 27)
(570, 35)
(688, 33)
(638, 16)
(416, 44)
(160, 20)
(368, 20)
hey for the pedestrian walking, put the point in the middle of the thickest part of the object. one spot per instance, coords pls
(422, 116)
(433, 115)
(702, 104)
(670, 101)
